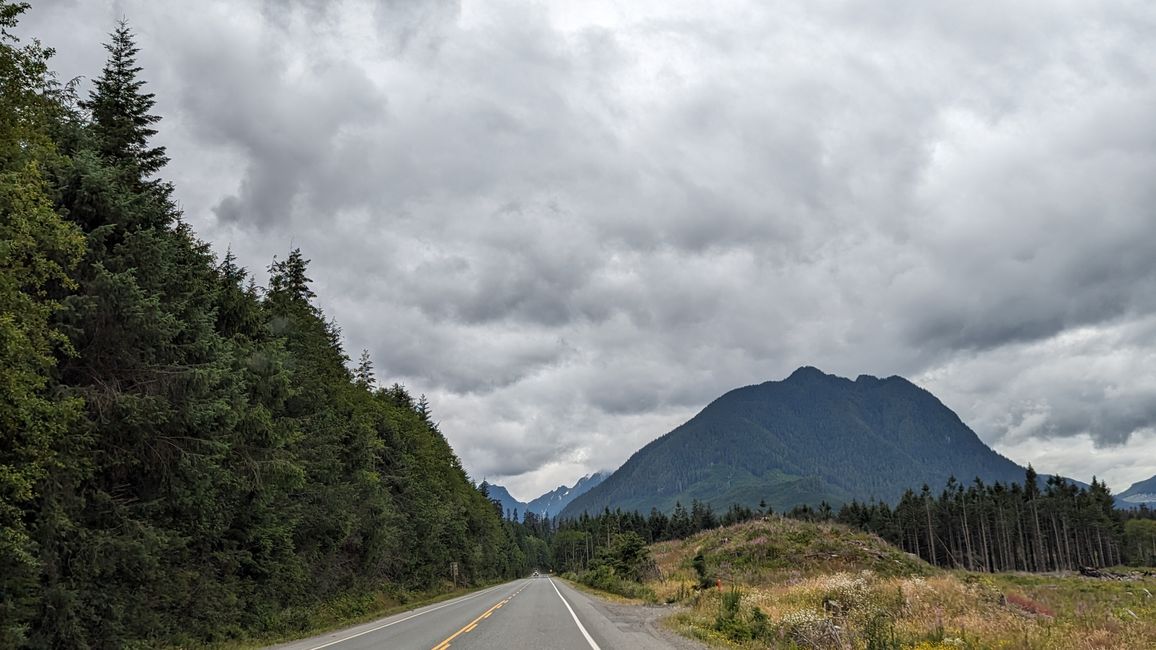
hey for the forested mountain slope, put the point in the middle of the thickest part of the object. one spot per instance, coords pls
(808, 438)
(184, 456)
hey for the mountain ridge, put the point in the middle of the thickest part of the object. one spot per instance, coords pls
(1139, 493)
(554, 501)
(804, 439)
(509, 504)
(549, 504)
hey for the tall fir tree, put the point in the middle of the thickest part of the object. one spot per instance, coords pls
(122, 114)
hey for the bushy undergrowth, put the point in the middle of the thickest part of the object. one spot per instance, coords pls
(604, 578)
(621, 569)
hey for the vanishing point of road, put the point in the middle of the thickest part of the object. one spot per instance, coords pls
(529, 614)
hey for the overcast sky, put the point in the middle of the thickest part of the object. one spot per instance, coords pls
(572, 224)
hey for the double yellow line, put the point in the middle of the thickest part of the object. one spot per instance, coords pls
(474, 623)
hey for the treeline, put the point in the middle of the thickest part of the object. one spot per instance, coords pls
(1014, 527)
(609, 551)
(980, 527)
(577, 544)
(186, 456)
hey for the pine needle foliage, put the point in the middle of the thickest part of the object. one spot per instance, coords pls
(185, 458)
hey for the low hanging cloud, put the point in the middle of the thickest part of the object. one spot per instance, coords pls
(573, 225)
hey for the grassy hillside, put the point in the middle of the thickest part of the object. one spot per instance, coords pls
(792, 584)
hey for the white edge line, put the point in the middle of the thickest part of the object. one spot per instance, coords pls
(593, 645)
(427, 611)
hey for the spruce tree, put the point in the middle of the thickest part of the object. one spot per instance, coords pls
(122, 114)
(363, 375)
(146, 495)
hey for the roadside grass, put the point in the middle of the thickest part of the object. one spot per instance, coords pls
(603, 579)
(782, 583)
(571, 579)
(339, 613)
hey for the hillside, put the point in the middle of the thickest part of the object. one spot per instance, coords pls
(788, 583)
(510, 505)
(1140, 493)
(808, 438)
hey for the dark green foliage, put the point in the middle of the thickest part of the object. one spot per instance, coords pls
(1140, 542)
(809, 438)
(705, 581)
(739, 625)
(629, 557)
(38, 250)
(621, 567)
(583, 543)
(121, 115)
(730, 622)
(183, 457)
(1002, 527)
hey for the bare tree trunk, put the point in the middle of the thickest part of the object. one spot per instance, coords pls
(970, 563)
(986, 548)
(930, 539)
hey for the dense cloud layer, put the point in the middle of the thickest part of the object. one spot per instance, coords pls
(572, 226)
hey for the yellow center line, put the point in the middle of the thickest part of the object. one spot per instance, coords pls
(474, 623)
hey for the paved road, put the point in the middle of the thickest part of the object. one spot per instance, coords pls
(530, 614)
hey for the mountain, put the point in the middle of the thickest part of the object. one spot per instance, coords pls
(550, 503)
(503, 496)
(1140, 493)
(809, 438)
(556, 500)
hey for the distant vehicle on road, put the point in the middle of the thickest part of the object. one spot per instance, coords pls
(534, 575)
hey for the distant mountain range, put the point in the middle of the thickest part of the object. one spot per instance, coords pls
(812, 437)
(1141, 493)
(510, 505)
(549, 504)
(553, 502)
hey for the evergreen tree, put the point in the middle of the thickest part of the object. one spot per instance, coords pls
(992, 527)
(37, 250)
(121, 115)
(363, 375)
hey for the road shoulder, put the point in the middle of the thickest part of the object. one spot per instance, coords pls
(624, 620)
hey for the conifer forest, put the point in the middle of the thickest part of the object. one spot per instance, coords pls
(189, 455)
(186, 455)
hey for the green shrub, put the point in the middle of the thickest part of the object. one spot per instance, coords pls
(699, 564)
(730, 622)
(603, 577)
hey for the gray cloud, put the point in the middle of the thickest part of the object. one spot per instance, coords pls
(574, 225)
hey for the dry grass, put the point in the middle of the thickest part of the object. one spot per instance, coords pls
(824, 586)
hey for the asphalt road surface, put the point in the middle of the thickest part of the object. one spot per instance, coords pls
(530, 614)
